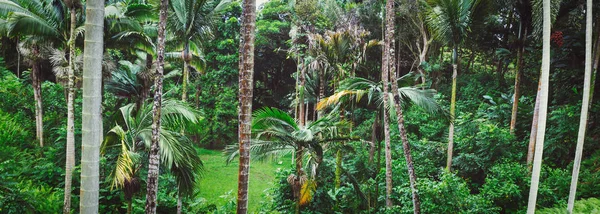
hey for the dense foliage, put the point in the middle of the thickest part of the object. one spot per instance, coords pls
(317, 101)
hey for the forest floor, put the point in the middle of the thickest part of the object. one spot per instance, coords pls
(218, 184)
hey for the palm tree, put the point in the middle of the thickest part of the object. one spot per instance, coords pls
(523, 8)
(92, 106)
(391, 68)
(277, 134)
(584, 106)
(449, 21)
(154, 155)
(246, 77)
(193, 21)
(356, 88)
(541, 131)
(337, 53)
(41, 24)
(132, 81)
(385, 72)
(134, 139)
(73, 5)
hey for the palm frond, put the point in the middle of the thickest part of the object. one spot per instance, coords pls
(29, 24)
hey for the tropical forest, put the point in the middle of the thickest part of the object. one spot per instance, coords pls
(299, 106)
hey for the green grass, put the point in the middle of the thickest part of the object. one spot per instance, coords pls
(219, 179)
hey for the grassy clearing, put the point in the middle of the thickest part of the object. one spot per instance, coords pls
(220, 178)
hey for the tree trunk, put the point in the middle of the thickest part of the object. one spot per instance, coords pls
(390, 31)
(297, 181)
(424, 50)
(36, 82)
(452, 110)
(584, 107)
(534, 127)
(519, 71)
(70, 153)
(541, 131)
(301, 109)
(92, 134)
(246, 76)
(179, 204)
(154, 155)
(321, 90)
(373, 140)
(385, 71)
(129, 206)
(186, 72)
(595, 66)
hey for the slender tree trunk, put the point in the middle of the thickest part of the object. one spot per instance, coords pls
(37, 95)
(584, 106)
(385, 70)
(534, 127)
(92, 133)
(424, 50)
(18, 60)
(179, 204)
(186, 72)
(520, 52)
(390, 33)
(452, 109)
(321, 90)
(541, 131)
(70, 153)
(297, 181)
(246, 76)
(373, 140)
(154, 155)
(595, 66)
(129, 206)
(301, 109)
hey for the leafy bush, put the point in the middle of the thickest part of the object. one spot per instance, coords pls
(590, 205)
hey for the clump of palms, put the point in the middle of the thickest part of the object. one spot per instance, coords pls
(450, 21)
(132, 140)
(276, 133)
(191, 22)
(355, 88)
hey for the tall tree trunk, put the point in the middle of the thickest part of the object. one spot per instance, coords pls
(297, 181)
(584, 106)
(373, 140)
(179, 204)
(154, 155)
(246, 76)
(18, 59)
(301, 109)
(36, 82)
(390, 33)
(186, 71)
(385, 70)
(92, 133)
(129, 206)
(534, 127)
(424, 49)
(539, 143)
(519, 71)
(452, 109)
(70, 153)
(595, 66)
(321, 90)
